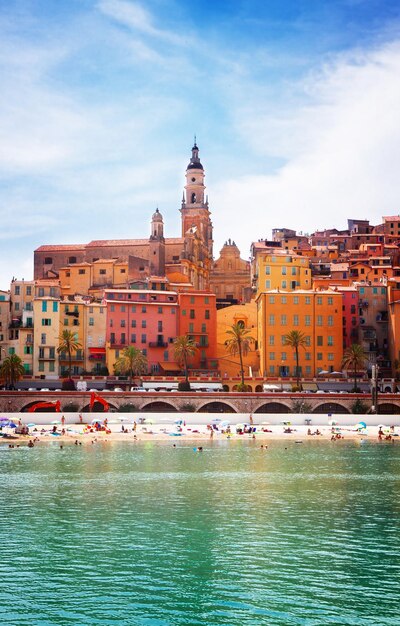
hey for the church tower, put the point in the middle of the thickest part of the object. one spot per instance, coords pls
(194, 210)
(157, 245)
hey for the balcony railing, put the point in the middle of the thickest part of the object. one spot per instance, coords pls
(158, 344)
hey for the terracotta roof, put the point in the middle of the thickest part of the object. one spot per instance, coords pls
(391, 218)
(98, 243)
(72, 246)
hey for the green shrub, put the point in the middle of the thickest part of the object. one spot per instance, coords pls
(188, 407)
(68, 384)
(359, 407)
(242, 387)
(184, 385)
(128, 407)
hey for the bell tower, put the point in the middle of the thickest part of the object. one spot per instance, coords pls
(157, 245)
(194, 209)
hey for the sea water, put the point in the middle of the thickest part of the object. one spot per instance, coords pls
(149, 534)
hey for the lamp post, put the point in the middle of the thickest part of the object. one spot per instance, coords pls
(374, 388)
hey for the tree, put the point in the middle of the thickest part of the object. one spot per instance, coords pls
(296, 339)
(184, 348)
(354, 358)
(131, 362)
(67, 342)
(12, 369)
(239, 342)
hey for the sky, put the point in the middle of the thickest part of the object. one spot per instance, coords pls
(295, 106)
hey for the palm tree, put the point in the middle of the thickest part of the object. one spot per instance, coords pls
(68, 343)
(296, 339)
(12, 369)
(354, 358)
(239, 342)
(132, 362)
(184, 348)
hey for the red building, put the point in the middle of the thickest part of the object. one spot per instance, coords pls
(198, 319)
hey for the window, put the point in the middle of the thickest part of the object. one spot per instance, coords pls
(319, 300)
(295, 320)
(123, 323)
(123, 340)
(43, 339)
(308, 370)
(283, 320)
(284, 271)
(330, 320)
(308, 340)
(319, 320)
(53, 292)
(272, 356)
(267, 270)
(283, 300)
(102, 272)
(272, 340)
(191, 299)
(267, 284)
(330, 300)
(308, 356)
(29, 290)
(51, 366)
(133, 323)
(271, 320)
(144, 338)
(160, 310)
(46, 321)
(207, 314)
(272, 370)
(55, 307)
(283, 340)
(319, 356)
(144, 309)
(75, 323)
(307, 320)
(122, 308)
(91, 321)
(284, 284)
(17, 290)
(204, 328)
(52, 353)
(330, 340)
(112, 338)
(330, 356)
(283, 356)
(133, 338)
(81, 271)
(16, 306)
(295, 299)
(206, 300)
(48, 260)
(112, 308)
(41, 353)
(41, 292)
(271, 299)
(66, 321)
(44, 306)
(308, 300)
(320, 340)
(111, 322)
(192, 314)
(41, 366)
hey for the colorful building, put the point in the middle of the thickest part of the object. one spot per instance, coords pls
(197, 318)
(317, 314)
(46, 313)
(245, 314)
(276, 269)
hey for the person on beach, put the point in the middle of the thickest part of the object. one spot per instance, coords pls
(211, 433)
(380, 433)
(63, 421)
(31, 444)
(134, 426)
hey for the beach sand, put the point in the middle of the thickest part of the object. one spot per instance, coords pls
(193, 434)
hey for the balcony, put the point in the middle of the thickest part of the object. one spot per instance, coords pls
(74, 357)
(382, 317)
(158, 344)
(72, 313)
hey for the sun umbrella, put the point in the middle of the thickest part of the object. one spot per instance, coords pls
(11, 425)
(360, 425)
(178, 421)
(31, 425)
(225, 423)
(96, 419)
(4, 419)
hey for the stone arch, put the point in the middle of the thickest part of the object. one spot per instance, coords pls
(331, 407)
(98, 408)
(26, 408)
(259, 389)
(158, 406)
(216, 407)
(388, 408)
(249, 387)
(273, 407)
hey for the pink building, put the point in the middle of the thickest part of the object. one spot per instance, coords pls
(144, 318)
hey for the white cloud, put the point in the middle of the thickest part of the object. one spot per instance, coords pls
(341, 153)
(135, 17)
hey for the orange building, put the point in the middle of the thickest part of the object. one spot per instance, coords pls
(245, 314)
(317, 314)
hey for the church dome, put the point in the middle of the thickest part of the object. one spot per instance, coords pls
(195, 161)
(157, 217)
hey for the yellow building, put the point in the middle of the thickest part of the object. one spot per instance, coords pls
(95, 337)
(91, 278)
(277, 269)
(317, 314)
(226, 317)
(46, 313)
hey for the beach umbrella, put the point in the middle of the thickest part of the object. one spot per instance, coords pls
(360, 425)
(11, 425)
(178, 421)
(225, 423)
(97, 419)
(4, 419)
(31, 425)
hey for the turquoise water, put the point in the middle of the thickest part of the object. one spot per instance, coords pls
(154, 535)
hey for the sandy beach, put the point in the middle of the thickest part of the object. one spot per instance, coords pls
(169, 430)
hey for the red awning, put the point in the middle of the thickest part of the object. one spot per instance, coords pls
(97, 350)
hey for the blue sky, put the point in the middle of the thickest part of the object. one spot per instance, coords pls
(296, 108)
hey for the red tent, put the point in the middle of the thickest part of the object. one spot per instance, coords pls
(94, 397)
(45, 405)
